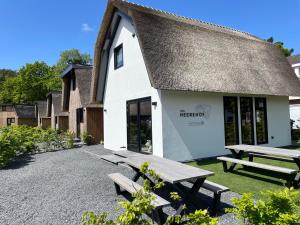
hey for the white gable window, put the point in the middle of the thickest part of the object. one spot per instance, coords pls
(118, 56)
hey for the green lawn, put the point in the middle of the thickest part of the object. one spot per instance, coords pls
(241, 180)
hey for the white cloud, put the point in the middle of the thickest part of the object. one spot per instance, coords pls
(86, 28)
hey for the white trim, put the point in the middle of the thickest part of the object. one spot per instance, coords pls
(295, 65)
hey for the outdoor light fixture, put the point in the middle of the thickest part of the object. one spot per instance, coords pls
(104, 110)
(154, 104)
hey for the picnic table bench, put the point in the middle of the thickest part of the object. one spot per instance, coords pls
(172, 172)
(266, 152)
(131, 187)
(289, 173)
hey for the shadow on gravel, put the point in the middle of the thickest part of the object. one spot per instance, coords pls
(19, 162)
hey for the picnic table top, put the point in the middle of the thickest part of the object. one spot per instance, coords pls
(168, 170)
(266, 150)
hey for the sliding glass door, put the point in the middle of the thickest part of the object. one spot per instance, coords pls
(246, 106)
(139, 125)
(231, 121)
(261, 121)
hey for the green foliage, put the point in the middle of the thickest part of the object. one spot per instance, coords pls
(280, 207)
(87, 138)
(287, 52)
(18, 140)
(72, 56)
(6, 73)
(70, 139)
(132, 212)
(32, 83)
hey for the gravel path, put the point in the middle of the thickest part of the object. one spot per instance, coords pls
(57, 187)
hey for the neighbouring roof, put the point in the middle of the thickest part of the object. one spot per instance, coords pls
(295, 59)
(83, 75)
(42, 108)
(191, 55)
(74, 66)
(57, 103)
(25, 111)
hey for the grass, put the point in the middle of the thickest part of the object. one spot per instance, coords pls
(242, 180)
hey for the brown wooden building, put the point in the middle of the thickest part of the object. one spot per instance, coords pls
(19, 114)
(76, 97)
(43, 120)
(59, 119)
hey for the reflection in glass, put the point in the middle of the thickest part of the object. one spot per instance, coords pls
(261, 121)
(247, 120)
(230, 120)
(132, 124)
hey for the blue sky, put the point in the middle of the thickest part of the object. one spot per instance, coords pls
(34, 30)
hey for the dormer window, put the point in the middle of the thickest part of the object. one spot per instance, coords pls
(118, 56)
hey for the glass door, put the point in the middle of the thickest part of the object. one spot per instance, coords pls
(139, 125)
(231, 121)
(246, 106)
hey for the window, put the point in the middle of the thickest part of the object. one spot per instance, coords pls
(80, 114)
(10, 121)
(73, 82)
(246, 106)
(118, 56)
(261, 121)
(56, 120)
(231, 121)
(3, 108)
(251, 117)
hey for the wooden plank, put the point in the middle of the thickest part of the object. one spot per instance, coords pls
(214, 187)
(266, 150)
(271, 157)
(112, 158)
(133, 187)
(168, 170)
(258, 165)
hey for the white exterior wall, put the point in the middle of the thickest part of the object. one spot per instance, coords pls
(126, 83)
(185, 139)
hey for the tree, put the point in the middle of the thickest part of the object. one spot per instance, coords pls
(287, 52)
(72, 56)
(32, 83)
(6, 73)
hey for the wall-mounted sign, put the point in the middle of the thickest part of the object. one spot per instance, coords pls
(198, 115)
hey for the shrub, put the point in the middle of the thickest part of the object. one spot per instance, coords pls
(87, 138)
(17, 140)
(280, 207)
(70, 139)
(133, 211)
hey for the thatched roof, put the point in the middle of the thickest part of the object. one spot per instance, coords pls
(83, 75)
(295, 59)
(191, 55)
(56, 97)
(25, 111)
(42, 108)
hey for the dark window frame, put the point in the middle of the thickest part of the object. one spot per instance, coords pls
(138, 101)
(236, 117)
(266, 120)
(80, 114)
(116, 50)
(73, 82)
(252, 120)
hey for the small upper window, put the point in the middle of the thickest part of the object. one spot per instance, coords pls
(73, 83)
(118, 56)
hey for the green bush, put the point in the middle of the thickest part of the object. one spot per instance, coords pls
(87, 138)
(132, 212)
(18, 140)
(280, 207)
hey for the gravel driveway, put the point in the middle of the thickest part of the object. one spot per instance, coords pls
(57, 187)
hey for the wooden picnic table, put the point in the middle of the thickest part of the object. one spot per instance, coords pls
(172, 172)
(239, 150)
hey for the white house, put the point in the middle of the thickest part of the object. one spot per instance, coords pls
(295, 101)
(183, 89)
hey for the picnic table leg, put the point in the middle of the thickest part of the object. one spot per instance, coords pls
(237, 155)
(297, 177)
(190, 195)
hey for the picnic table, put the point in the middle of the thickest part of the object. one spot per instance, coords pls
(172, 172)
(239, 150)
